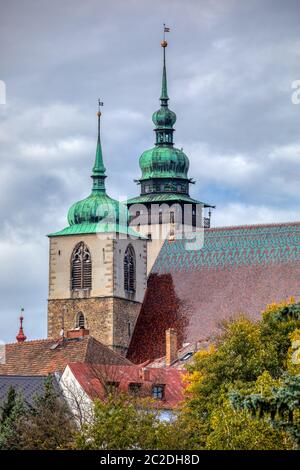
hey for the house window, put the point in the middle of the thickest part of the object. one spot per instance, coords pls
(158, 392)
(80, 322)
(111, 387)
(81, 268)
(134, 389)
(129, 270)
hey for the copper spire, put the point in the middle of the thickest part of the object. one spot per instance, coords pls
(99, 169)
(164, 89)
(20, 336)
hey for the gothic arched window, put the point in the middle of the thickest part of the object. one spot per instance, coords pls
(81, 268)
(80, 322)
(129, 270)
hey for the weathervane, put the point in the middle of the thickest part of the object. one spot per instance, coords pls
(100, 103)
(165, 30)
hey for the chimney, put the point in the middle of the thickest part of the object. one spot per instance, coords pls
(145, 374)
(20, 336)
(78, 333)
(171, 346)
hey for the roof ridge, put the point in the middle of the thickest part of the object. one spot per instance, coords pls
(50, 340)
(254, 226)
(95, 365)
(24, 376)
(43, 340)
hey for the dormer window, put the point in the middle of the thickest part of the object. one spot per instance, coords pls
(111, 387)
(134, 389)
(158, 391)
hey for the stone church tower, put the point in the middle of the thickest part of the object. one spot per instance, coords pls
(164, 208)
(97, 268)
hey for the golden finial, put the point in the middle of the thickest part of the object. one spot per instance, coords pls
(98, 114)
(164, 43)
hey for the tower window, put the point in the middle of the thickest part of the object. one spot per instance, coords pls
(81, 268)
(80, 322)
(129, 270)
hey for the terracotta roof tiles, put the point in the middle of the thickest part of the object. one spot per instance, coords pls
(41, 357)
(92, 376)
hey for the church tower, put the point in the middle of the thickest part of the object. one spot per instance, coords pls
(164, 203)
(97, 267)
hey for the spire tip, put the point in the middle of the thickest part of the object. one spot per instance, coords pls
(20, 336)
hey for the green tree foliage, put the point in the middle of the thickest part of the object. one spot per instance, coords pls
(233, 429)
(48, 424)
(124, 422)
(118, 424)
(276, 327)
(11, 412)
(251, 359)
(281, 406)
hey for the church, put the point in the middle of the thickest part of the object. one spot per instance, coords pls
(100, 263)
(123, 274)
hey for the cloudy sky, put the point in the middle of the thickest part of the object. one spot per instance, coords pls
(231, 65)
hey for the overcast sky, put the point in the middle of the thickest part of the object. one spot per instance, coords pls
(231, 65)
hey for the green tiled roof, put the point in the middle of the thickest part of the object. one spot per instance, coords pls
(88, 228)
(233, 246)
(160, 198)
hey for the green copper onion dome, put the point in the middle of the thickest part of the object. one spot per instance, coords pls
(164, 118)
(94, 209)
(164, 160)
(98, 206)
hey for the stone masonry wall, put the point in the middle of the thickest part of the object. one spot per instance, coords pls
(109, 320)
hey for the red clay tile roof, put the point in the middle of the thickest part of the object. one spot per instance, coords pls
(92, 376)
(41, 357)
(238, 270)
